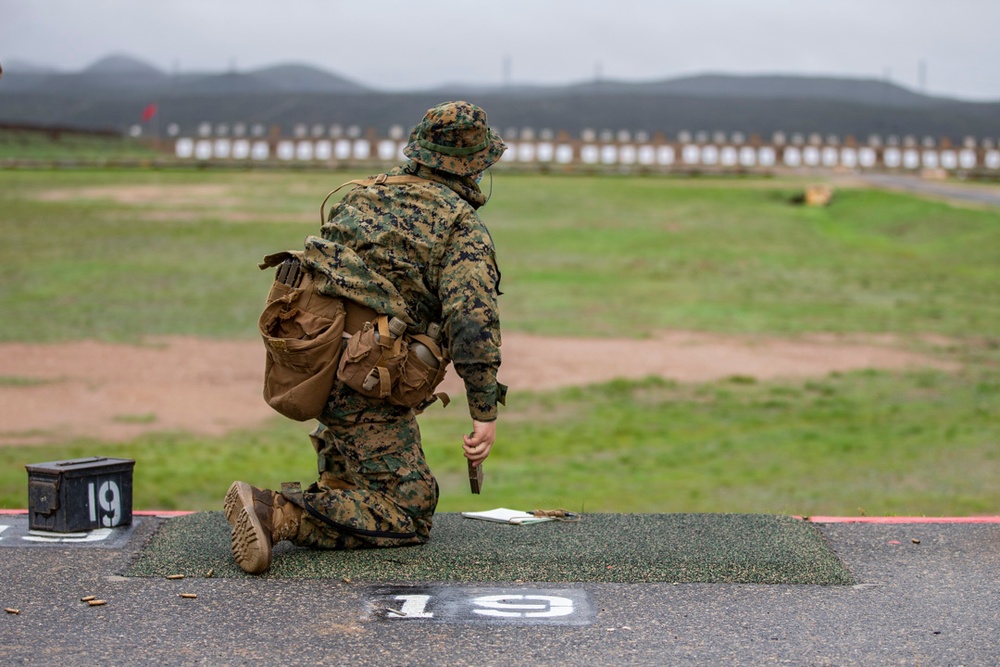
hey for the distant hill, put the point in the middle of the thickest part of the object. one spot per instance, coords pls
(121, 73)
(269, 80)
(865, 91)
(304, 79)
(114, 91)
(23, 66)
(121, 65)
(116, 72)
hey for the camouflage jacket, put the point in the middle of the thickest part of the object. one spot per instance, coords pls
(420, 252)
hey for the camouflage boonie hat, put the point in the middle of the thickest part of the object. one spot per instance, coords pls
(455, 137)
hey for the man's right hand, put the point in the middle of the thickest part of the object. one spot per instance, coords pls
(478, 444)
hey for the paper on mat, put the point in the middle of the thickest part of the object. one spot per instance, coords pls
(504, 515)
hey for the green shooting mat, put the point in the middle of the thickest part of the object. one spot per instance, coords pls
(609, 548)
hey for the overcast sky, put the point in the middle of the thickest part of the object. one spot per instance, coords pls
(943, 47)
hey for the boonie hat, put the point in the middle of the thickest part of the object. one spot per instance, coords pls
(455, 137)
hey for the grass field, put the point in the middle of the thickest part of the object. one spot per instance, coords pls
(28, 145)
(117, 255)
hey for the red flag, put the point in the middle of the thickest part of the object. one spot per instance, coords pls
(148, 113)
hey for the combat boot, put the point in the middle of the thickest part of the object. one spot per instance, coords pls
(259, 518)
(285, 519)
(248, 510)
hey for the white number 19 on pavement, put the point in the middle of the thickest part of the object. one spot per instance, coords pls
(462, 605)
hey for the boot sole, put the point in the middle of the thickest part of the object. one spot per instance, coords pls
(234, 502)
(251, 545)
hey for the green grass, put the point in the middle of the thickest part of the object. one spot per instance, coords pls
(579, 256)
(584, 256)
(8, 381)
(42, 145)
(175, 259)
(867, 442)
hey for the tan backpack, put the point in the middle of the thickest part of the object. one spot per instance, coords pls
(304, 336)
(303, 333)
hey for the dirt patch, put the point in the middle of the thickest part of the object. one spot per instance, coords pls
(54, 392)
(191, 193)
(166, 203)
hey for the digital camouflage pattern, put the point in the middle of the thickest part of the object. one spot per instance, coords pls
(376, 489)
(419, 252)
(455, 137)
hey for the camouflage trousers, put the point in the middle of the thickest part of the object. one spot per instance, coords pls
(374, 488)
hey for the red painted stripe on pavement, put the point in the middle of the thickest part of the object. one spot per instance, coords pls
(135, 512)
(812, 519)
(903, 519)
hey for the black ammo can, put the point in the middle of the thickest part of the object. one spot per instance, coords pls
(80, 494)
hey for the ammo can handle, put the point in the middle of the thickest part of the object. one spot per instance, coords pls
(75, 462)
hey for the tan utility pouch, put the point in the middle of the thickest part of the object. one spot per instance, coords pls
(391, 368)
(303, 332)
(372, 358)
(418, 379)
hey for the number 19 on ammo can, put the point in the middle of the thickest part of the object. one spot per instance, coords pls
(80, 494)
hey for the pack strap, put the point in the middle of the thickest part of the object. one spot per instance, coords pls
(391, 347)
(440, 353)
(432, 345)
(381, 179)
(356, 316)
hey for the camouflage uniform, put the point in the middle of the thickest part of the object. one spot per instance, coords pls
(419, 252)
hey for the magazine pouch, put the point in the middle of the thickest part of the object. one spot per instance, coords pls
(373, 356)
